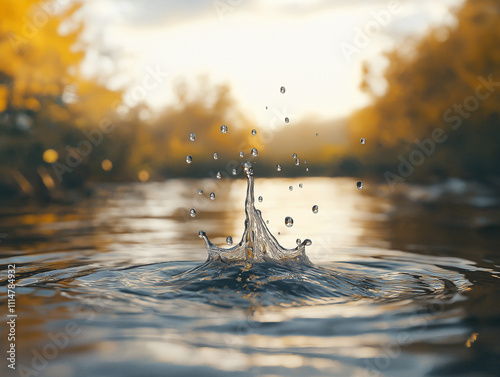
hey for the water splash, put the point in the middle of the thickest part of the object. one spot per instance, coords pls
(257, 243)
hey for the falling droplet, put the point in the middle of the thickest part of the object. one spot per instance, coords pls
(201, 234)
(254, 152)
(242, 154)
(363, 140)
(219, 175)
(212, 196)
(298, 241)
(200, 192)
(223, 129)
(254, 132)
(290, 188)
(192, 136)
(308, 242)
(305, 162)
(282, 90)
(317, 134)
(278, 167)
(307, 169)
(192, 212)
(297, 162)
(216, 156)
(267, 221)
(294, 155)
(261, 199)
(287, 120)
(229, 240)
(315, 208)
(360, 185)
(234, 172)
(288, 221)
(189, 159)
(266, 107)
(300, 185)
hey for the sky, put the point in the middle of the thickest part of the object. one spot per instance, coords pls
(314, 48)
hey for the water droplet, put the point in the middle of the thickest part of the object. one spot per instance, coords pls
(229, 240)
(212, 196)
(266, 107)
(267, 221)
(247, 168)
(298, 241)
(287, 120)
(223, 129)
(242, 154)
(254, 152)
(201, 234)
(189, 159)
(254, 132)
(317, 134)
(219, 175)
(360, 185)
(305, 162)
(288, 221)
(297, 162)
(290, 188)
(278, 167)
(363, 140)
(307, 169)
(282, 90)
(261, 199)
(315, 208)
(308, 242)
(192, 136)
(200, 192)
(234, 172)
(192, 212)
(216, 156)
(294, 155)
(300, 185)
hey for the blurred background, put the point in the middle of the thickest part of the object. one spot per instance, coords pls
(111, 90)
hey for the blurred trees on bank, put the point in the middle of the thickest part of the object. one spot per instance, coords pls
(60, 129)
(448, 80)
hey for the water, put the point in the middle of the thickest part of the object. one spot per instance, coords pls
(402, 283)
(315, 209)
(254, 152)
(223, 129)
(360, 185)
(363, 141)
(189, 159)
(192, 136)
(215, 155)
(282, 90)
(254, 132)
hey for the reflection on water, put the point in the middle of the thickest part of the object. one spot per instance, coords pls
(400, 282)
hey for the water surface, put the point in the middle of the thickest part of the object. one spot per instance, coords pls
(400, 283)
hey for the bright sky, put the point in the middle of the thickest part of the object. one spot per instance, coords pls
(256, 46)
